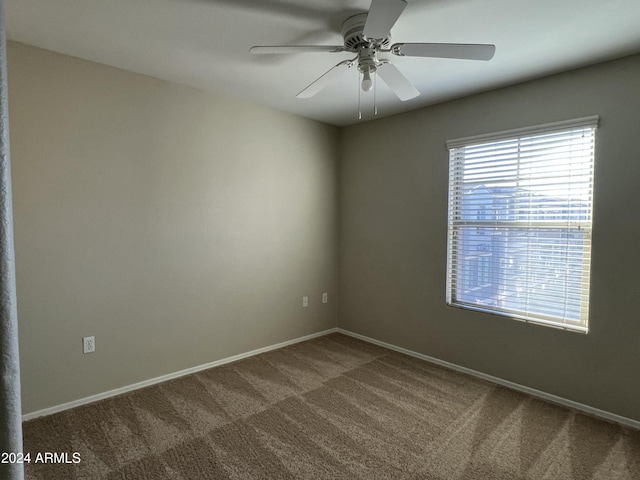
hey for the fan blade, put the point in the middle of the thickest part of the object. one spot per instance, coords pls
(475, 51)
(397, 82)
(383, 15)
(332, 75)
(267, 49)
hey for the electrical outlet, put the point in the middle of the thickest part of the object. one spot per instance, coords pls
(305, 302)
(325, 297)
(88, 344)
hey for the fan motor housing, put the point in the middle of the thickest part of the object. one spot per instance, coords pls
(354, 39)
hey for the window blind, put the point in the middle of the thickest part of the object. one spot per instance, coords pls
(519, 225)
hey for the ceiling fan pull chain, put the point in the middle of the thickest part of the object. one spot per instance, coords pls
(359, 99)
(375, 82)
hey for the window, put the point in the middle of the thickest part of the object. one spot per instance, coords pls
(520, 205)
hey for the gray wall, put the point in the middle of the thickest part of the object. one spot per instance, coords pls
(177, 227)
(393, 232)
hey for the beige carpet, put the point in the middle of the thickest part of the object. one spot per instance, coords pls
(330, 408)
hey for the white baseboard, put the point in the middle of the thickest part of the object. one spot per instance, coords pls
(612, 417)
(170, 376)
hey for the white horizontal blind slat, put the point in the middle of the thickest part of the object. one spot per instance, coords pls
(520, 223)
(505, 135)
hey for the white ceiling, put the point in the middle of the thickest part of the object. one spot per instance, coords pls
(205, 44)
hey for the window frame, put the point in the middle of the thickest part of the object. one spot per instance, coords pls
(455, 262)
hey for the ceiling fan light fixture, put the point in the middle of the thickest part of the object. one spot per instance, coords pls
(367, 81)
(367, 64)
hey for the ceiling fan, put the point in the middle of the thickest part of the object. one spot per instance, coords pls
(367, 35)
